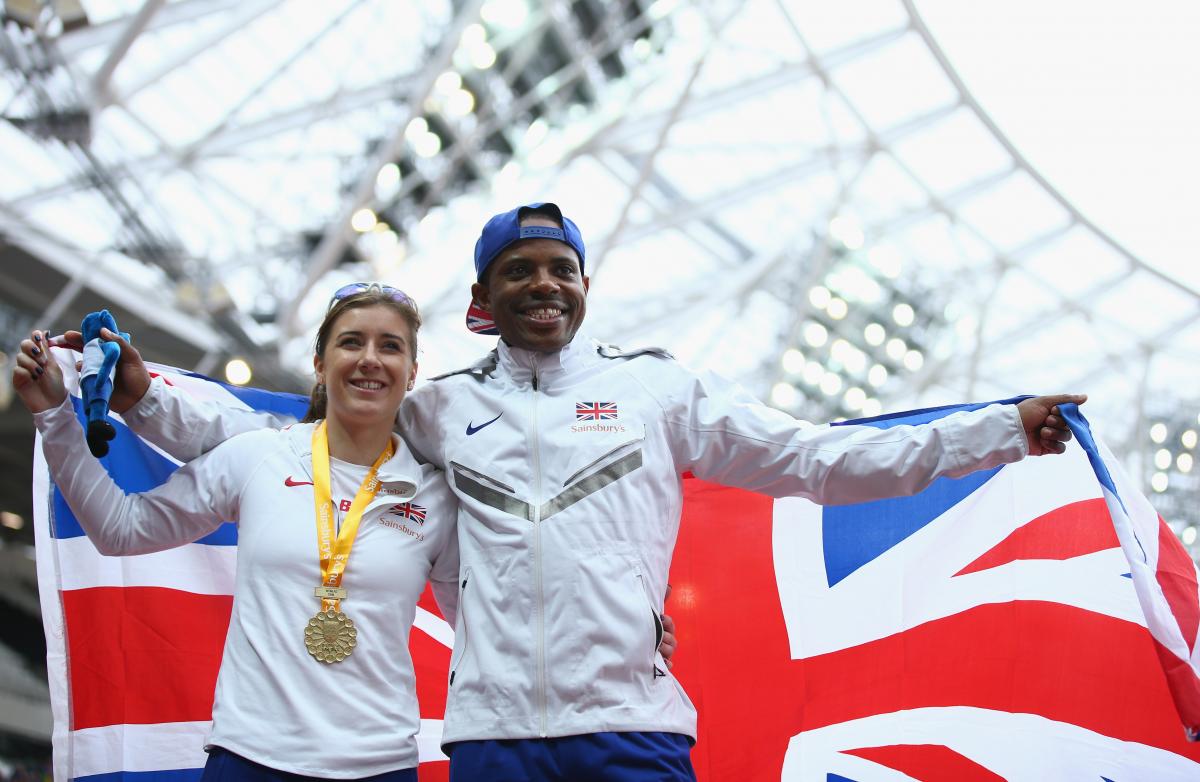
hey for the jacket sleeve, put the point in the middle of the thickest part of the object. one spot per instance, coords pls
(443, 576)
(194, 501)
(186, 427)
(722, 433)
(420, 423)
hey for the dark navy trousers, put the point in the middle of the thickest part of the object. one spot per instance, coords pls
(226, 766)
(590, 757)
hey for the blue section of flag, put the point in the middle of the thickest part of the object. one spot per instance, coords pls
(853, 535)
(170, 775)
(837, 778)
(134, 466)
(1083, 433)
(925, 415)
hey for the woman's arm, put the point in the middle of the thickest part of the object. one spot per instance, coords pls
(196, 499)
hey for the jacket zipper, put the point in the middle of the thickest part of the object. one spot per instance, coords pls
(462, 605)
(537, 560)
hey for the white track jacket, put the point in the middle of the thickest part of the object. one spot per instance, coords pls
(568, 468)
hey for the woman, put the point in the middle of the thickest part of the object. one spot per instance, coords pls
(316, 678)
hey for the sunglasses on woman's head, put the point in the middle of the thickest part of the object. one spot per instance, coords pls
(355, 288)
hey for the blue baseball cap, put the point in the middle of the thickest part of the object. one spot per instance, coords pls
(504, 229)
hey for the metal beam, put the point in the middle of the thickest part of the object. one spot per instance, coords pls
(151, 306)
(338, 234)
(73, 43)
(646, 168)
(568, 32)
(944, 62)
(101, 94)
(733, 196)
(489, 121)
(622, 130)
(239, 19)
(301, 49)
(229, 138)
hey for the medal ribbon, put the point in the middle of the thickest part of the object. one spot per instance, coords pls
(334, 550)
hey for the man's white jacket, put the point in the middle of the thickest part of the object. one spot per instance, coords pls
(568, 468)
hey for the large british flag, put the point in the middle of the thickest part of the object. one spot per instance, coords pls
(989, 628)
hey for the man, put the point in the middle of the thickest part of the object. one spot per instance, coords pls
(566, 455)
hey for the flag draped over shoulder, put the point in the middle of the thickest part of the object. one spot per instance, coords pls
(1014, 624)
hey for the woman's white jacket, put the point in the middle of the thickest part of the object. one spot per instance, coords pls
(274, 703)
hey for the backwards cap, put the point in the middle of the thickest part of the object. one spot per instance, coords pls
(504, 229)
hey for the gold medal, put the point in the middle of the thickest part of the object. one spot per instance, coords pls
(330, 636)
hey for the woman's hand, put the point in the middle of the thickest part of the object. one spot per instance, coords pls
(37, 378)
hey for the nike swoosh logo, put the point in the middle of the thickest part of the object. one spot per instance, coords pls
(289, 482)
(473, 429)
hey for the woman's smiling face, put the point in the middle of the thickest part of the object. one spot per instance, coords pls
(367, 366)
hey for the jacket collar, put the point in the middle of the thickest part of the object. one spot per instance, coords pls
(550, 368)
(401, 474)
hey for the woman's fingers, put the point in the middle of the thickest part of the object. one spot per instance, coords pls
(27, 368)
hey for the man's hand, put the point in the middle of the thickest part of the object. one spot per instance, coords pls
(131, 380)
(1045, 428)
(36, 376)
(666, 646)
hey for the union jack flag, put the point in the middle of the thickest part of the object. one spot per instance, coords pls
(409, 510)
(595, 411)
(480, 320)
(989, 628)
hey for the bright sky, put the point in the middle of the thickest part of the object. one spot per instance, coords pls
(1101, 97)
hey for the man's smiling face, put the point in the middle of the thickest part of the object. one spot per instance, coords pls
(535, 291)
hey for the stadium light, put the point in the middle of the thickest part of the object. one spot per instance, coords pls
(238, 372)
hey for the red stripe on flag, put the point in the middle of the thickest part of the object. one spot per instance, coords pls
(1073, 530)
(1176, 574)
(1054, 660)
(1033, 657)
(431, 659)
(429, 602)
(143, 654)
(927, 762)
(434, 771)
(1184, 686)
